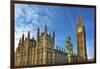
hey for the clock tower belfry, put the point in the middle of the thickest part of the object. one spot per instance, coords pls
(81, 41)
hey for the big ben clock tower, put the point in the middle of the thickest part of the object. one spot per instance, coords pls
(81, 41)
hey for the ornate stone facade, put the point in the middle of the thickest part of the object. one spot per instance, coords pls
(40, 51)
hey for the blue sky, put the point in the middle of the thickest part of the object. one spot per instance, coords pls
(60, 19)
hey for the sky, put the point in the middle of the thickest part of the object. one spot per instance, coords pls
(61, 19)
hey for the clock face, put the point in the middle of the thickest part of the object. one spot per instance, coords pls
(80, 29)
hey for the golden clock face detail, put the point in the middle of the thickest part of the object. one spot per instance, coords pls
(80, 29)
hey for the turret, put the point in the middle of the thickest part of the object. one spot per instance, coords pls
(23, 37)
(33, 38)
(46, 29)
(53, 36)
(28, 35)
(38, 33)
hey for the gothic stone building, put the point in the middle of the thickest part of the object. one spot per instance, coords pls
(40, 51)
(81, 41)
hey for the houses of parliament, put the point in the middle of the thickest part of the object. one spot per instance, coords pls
(42, 50)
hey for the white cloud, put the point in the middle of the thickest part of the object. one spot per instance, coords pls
(28, 18)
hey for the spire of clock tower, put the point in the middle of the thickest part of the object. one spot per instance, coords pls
(79, 19)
